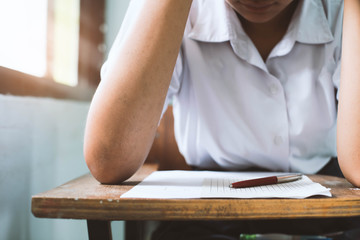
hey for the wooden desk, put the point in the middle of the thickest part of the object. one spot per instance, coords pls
(85, 198)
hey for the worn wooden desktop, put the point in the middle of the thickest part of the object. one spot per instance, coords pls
(85, 198)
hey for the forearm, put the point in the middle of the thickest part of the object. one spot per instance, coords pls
(126, 108)
(348, 132)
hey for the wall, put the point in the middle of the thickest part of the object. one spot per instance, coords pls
(41, 142)
(115, 12)
(40, 148)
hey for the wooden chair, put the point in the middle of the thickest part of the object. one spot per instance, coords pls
(165, 148)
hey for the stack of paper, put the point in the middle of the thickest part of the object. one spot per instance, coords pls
(212, 184)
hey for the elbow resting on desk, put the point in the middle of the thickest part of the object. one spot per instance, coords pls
(349, 164)
(111, 168)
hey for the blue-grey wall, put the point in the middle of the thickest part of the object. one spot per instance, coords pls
(41, 142)
(115, 11)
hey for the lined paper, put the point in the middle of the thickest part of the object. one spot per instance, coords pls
(219, 188)
(214, 184)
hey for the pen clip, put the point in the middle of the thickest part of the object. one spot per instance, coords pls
(289, 178)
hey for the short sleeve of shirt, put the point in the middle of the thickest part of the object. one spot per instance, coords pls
(129, 19)
(176, 80)
(338, 16)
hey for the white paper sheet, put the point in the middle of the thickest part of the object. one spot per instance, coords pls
(212, 184)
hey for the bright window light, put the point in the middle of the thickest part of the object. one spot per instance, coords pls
(25, 39)
(66, 41)
(23, 26)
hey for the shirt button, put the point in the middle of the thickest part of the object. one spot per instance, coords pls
(274, 89)
(278, 140)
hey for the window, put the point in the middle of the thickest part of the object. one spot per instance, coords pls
(65, 35)
(51, 48)
(24, 46)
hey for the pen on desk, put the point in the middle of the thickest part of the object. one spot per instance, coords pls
(266, 181)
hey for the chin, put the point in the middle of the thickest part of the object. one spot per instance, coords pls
(258, 19)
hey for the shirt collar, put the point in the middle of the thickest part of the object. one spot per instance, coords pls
(216, 21)
(310, 24)
(210, 22)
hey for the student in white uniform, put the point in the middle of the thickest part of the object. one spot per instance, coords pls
(254, 85)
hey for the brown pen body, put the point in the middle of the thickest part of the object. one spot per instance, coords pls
(265, 181)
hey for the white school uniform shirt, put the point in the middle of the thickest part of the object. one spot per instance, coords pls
(234, 111)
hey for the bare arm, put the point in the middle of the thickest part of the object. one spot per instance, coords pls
(127, 105)
(348, 132)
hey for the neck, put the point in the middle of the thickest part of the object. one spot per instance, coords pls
(266, 35)
(278, 24)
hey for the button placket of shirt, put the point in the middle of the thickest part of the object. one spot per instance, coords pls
(275, 86)
(280, 134)
(278, 140)
(274, 89)
(281, 146)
